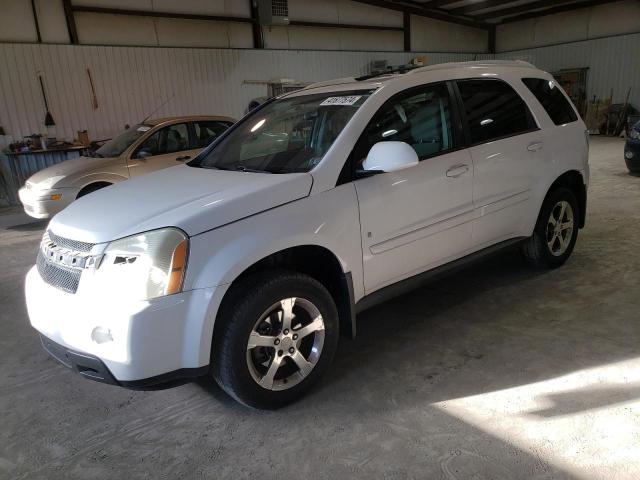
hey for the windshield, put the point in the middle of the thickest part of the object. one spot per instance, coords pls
(286, 136)
(119, 144)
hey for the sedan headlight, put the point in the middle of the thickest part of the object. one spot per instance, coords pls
(147, 265)
(635, 134)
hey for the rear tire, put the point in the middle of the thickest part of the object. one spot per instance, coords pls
(277, 335)
(556, 230)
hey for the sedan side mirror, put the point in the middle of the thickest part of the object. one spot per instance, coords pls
(390, 157)
(143, 153)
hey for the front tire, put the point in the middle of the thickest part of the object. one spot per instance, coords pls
(556, 230)
(277, 335)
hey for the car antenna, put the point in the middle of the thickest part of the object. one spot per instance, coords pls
(161, 105)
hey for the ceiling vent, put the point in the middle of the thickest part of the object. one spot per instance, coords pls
(273, 12)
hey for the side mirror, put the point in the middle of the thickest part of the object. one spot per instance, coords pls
(390, 157)
(143, 153)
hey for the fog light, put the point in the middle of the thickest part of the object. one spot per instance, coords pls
(101, 335)
(56, 196)
(628, 154)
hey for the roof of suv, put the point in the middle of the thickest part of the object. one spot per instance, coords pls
(374, 81)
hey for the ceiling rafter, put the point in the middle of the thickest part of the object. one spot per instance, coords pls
(474, 7)
(539, 8)
(476, 14)
(556, 9)
(423, 12)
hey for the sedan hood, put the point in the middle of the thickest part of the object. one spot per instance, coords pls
(56, 175)
(190, 198)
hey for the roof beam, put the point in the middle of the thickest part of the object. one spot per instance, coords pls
(474, 7)
(146, 13)
(558, 9)
(422, 12)
(439, 3)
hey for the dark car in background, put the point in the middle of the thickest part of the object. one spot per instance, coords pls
(632, 149)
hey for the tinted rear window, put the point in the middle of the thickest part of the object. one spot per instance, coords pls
(551, 98)
(493, 110)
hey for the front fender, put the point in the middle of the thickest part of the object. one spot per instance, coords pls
(84, 180)
(327, 219)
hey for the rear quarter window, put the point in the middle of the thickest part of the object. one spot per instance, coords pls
(552, 100)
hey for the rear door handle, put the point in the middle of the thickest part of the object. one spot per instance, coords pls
(183, 158)
(457, 170)
(534, 147)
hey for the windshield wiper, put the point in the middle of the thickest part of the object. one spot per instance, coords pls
(242, 168)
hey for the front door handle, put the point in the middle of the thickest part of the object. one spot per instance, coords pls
(457, 170)
(534, 147)
(183, 158)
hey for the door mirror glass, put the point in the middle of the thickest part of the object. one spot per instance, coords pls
(390, 157)
(143, 153)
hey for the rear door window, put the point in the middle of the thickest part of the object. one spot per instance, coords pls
(171, 139)
(552, 100)
(207, 131)
(494, 110)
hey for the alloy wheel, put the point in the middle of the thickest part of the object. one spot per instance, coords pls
(560, 228)
(285, 343)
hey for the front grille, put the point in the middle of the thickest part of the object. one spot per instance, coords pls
(69, 244)
(66, 279)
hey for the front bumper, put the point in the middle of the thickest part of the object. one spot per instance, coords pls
(138, 342)
(632, 155)
(92, 368)
(38, 203)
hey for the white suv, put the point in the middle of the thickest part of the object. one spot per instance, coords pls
(248, 262)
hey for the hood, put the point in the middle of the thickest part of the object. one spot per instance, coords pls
(59, 175)
(190, 198)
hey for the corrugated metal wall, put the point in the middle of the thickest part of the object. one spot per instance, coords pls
(130, 82)
(613, 63)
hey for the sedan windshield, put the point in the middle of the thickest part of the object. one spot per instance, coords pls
(285, 136)
(119, 144)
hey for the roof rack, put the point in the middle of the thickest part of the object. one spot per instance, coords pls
(428, 68)
(401, 69)
(476, 64)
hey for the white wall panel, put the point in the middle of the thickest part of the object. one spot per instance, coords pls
(196, 33)
(582, 24)
(437, 36)
(101, 29)
(614, 19)
(613, 64)
(343, 11)
(130, 82)
(233, 8)
(312, 38)
(53, 26)
(16, 22)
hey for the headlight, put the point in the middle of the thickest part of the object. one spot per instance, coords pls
(635, 134)
(47, 183)
(146, 265)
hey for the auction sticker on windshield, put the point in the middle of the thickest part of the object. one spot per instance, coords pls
(350, 100)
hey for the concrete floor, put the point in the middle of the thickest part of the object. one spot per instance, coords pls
(498, 372)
